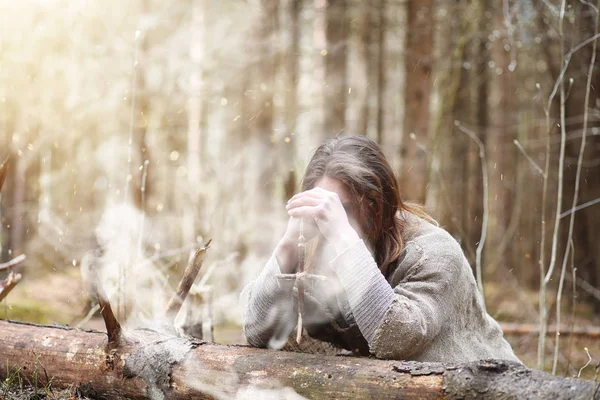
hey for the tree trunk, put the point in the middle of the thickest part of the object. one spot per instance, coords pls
(450, 37)
(500, 150)
(330, 52)
(359, 84)
(157, 366)
(289, 64)
(391, 83)
(419, 50)
(375, 57)
(336, 87)
(261, 123)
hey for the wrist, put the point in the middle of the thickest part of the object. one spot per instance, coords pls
(343, 242)
(286, 254)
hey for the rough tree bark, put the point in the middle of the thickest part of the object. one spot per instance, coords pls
(155, 365)
(358, 74)
(261, 120)
(336, 87)
(330, 34)
(392, 80)
(419, 49)
(449, 43)
(289, 67)
(500, 133)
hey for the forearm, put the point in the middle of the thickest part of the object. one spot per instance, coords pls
(369, 294)
(270, 309)
(286, 254)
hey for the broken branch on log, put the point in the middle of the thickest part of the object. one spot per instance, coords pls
(3, 172)
(186, 282)
(17, 260)
(155, 365)
(8, 284)
(113, 328)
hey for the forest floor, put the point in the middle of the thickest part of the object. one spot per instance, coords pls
(61, 298)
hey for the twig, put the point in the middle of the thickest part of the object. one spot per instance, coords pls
(533, 163)
(189, 275)
(586, 364)
(580, 207)
(590, 332)
(211, 269)
(573, 304)
(88, 316)
(8, 284)
(576, 190)
(143, 211)
(484, 174)
(113, 328)
(561, 161)
(3, 172)
(17, 260)
(590, 5)
(586, 287)
(300, 282)
(545, 276)
(567, 60)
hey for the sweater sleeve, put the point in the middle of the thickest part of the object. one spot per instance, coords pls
(396, 322)
(269, 315)
(369, 294)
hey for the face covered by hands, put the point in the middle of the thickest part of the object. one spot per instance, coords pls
(327, 207)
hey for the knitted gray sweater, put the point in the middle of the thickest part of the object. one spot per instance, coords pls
(428, 309)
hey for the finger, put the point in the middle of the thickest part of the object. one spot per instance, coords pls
(319, 194)
(307, 212)
(324, 192)
(327, 194)
(303, 201)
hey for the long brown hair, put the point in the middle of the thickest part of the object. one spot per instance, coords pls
(359, 163)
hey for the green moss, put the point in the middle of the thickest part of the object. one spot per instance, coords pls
(29, 311)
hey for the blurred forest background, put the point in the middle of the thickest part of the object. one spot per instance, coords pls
(138, 129)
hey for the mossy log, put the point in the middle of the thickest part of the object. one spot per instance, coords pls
(148, 364)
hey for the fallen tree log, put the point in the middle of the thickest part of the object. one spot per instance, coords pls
(154, 365)
(591, 332)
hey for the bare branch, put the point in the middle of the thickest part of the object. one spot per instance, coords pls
(551, 7)
(576, 190)
(533, 163)
(3, 172)
(580, 207)
(188, 278)
(511, 328)
(13, 262)
(567, 60)
(586, 287)
(9, 284)
(593, 7)
(588, 363)
(544, 276)
(113, 328)
(484, 173)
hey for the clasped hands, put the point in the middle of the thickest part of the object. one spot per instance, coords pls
(323, 213)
